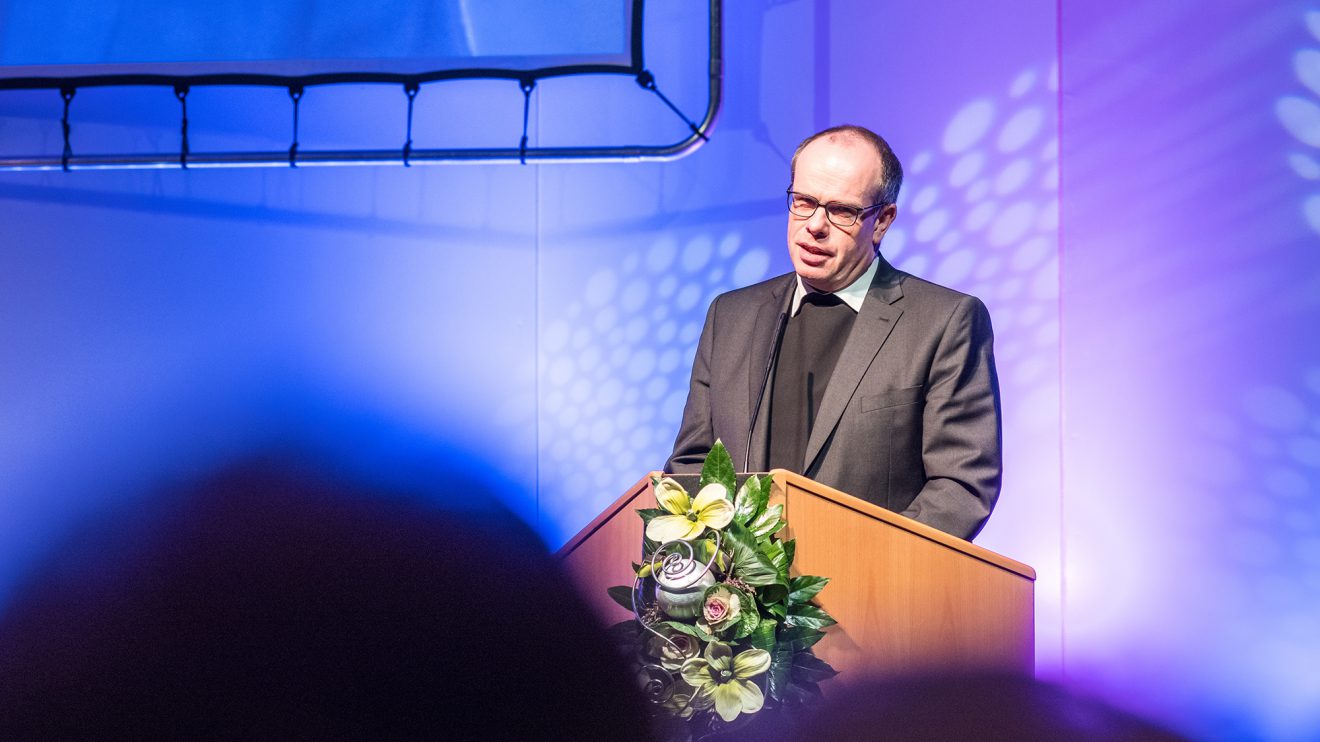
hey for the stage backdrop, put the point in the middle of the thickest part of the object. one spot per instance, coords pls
(1131, 188)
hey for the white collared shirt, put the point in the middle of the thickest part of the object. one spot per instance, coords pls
(853, 294)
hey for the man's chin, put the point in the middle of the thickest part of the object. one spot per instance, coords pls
(815, 280)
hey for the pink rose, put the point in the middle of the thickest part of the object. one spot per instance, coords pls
(720, 610)
(715, 609)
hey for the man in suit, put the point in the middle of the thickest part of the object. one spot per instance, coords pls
(860, 376)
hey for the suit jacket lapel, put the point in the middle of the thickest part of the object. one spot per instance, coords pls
(763, 335)
(869, 332)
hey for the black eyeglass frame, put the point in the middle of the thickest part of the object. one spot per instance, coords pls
(857, 212)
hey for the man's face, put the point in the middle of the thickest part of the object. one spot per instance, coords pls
(843, 169)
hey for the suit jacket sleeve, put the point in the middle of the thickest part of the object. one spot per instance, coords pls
(696, 434)
(961, 427)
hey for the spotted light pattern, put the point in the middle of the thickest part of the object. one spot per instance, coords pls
(1259, 461)
(981, 216)
(616, 363)
(1300, 115)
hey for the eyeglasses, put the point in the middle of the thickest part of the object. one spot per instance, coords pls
(840, 215)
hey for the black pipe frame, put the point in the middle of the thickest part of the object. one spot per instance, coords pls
(403, 156)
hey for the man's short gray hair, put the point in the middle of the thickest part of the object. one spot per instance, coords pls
(891, 176)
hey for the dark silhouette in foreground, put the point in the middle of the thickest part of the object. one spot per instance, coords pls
(275, 601)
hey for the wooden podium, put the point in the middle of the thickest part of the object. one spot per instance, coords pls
(908, 598)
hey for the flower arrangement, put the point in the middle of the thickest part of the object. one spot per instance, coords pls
(720, 629)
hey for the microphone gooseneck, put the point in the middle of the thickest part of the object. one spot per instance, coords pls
(765, 381)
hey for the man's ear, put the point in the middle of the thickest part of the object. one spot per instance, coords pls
(883, 219)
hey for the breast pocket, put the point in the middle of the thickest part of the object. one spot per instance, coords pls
(895, 398)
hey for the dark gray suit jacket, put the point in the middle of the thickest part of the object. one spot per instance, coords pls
(910, 419)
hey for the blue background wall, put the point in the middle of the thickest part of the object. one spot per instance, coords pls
(1131, 188)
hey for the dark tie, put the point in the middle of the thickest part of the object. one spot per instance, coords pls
(822, 299)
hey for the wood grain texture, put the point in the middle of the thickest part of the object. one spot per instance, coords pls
(908, 598)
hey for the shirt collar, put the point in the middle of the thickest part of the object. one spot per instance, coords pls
(853, 294)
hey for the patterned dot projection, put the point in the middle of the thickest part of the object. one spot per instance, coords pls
(980, 214)
(1300, 115)
(616, 365)
(1260, 460)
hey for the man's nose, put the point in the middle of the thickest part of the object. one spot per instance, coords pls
(818, 223)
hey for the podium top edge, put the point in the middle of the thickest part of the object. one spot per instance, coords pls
(930, 533)
(785, 478)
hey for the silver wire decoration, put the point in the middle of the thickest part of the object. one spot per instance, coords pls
(677, 568)
(676, 562)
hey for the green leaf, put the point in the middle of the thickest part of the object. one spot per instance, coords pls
(777, 593)
(702, 549)
(769, 522)
(683, 628)
(790, 550)
(809, 615)
(769, 530)
(779, 676)
(749, 618)
(718, 468)
(751, 499)
(749, 564)
(808, 668)
(763, 637)
(774, 594)
(803, 589)
(623, 595)
(778, 610)
(774, 551)
(802, 694)
(801, 637)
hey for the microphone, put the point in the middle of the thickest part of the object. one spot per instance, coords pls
(765, 381)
